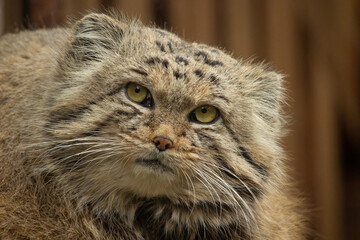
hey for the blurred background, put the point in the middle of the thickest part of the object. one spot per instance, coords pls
(315, 43)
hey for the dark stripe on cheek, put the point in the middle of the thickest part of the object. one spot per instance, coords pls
(122, 113)
(232, 134)
(261, 169)
(74, 114)
(202, 137)
(226, 168)
(69, 115)
(66, 116)
(251, 189)
(114, 117)
(96, 130)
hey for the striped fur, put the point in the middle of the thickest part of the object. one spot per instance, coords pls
(75, 141)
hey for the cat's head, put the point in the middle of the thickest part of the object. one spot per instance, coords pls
(138, 111)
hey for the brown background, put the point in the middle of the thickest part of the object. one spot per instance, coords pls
(315, 42)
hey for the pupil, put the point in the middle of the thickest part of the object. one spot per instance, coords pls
(203, 110)
(137, 89)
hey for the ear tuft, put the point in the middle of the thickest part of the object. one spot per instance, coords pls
(94, 35)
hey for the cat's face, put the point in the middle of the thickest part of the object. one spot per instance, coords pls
(140, 111)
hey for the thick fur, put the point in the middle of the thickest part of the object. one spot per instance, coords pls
(70, 138)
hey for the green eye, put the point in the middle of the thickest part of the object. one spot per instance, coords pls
(204, 114)
(139, 94)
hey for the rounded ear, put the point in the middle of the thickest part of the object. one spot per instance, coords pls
(94, 35)
(267, 92)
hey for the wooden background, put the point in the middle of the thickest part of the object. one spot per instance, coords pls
(316, 43)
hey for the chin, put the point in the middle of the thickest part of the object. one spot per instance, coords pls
(151, 178)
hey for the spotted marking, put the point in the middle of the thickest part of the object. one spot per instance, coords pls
(156, 60)
(152, 61)
(170, 47)
(160, 46)
(180, 60)
(179, 75)
(207, 60)
(199, 73)
(214, 79)
(165, 63)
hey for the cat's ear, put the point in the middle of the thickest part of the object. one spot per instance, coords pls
(93, 36)
(267, 92)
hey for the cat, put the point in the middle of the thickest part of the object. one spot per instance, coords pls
(113, 130)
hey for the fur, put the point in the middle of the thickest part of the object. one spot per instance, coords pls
(70, 138)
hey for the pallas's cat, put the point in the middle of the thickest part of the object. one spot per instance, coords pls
(113, 130)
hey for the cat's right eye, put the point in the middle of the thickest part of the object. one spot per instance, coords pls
(139, 94)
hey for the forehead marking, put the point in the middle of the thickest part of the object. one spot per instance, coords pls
(165, 63)
(180, 60)
(179, 75)
(160, 46)
(206, 59)
(153, 60)
(199, 73)
(170, 47)
(214, 80)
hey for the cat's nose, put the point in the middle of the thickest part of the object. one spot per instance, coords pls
(163, 143)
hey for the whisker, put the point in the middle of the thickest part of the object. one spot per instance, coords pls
(188, 179)
(207, 185)
(249, 210)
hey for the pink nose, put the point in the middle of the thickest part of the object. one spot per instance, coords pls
(162, 143)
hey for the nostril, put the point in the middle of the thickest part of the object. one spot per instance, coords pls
(162, 143)
(157, 142)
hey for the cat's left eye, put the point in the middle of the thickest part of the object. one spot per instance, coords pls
(139, 94)
(204, 114)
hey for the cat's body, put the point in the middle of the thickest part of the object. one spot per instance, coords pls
(78, 159)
